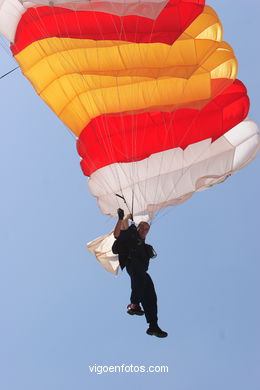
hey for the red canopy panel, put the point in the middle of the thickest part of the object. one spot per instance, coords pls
(46, 22)
(124, 138)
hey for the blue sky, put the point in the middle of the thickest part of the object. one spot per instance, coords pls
(61, 312)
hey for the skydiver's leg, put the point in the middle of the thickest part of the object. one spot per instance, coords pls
(143, 291)
(137, 278)
(149, 301)
(137, 275)
(133, 298)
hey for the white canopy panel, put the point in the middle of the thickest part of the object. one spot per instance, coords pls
(170, 177)
(147, 8)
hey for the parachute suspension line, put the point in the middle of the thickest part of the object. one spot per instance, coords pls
(128, 148)
(108, 143)
(123, 198)
(167, 127)
(144, 125)
(133, 146)
(144, 192)
(157, 186)
(142, 185)
(10, 71)
(108, 146)
(121, 32)
(137, 139)
(132, 213)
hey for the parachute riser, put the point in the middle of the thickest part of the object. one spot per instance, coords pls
(123, 198)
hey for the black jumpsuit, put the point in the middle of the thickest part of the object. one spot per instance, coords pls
(134, 254)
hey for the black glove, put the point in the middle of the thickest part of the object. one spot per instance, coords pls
(120, 214)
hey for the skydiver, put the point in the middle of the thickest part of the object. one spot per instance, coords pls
(134, 255)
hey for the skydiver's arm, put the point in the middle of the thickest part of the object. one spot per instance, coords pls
(119, 224)
(125, 224)
(118, 227)
(122, 224)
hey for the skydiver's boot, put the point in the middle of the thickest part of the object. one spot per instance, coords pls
(133, 308)
(154, 330)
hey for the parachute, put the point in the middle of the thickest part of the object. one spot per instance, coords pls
(149, 89)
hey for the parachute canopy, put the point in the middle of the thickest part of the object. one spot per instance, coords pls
(149, 89)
